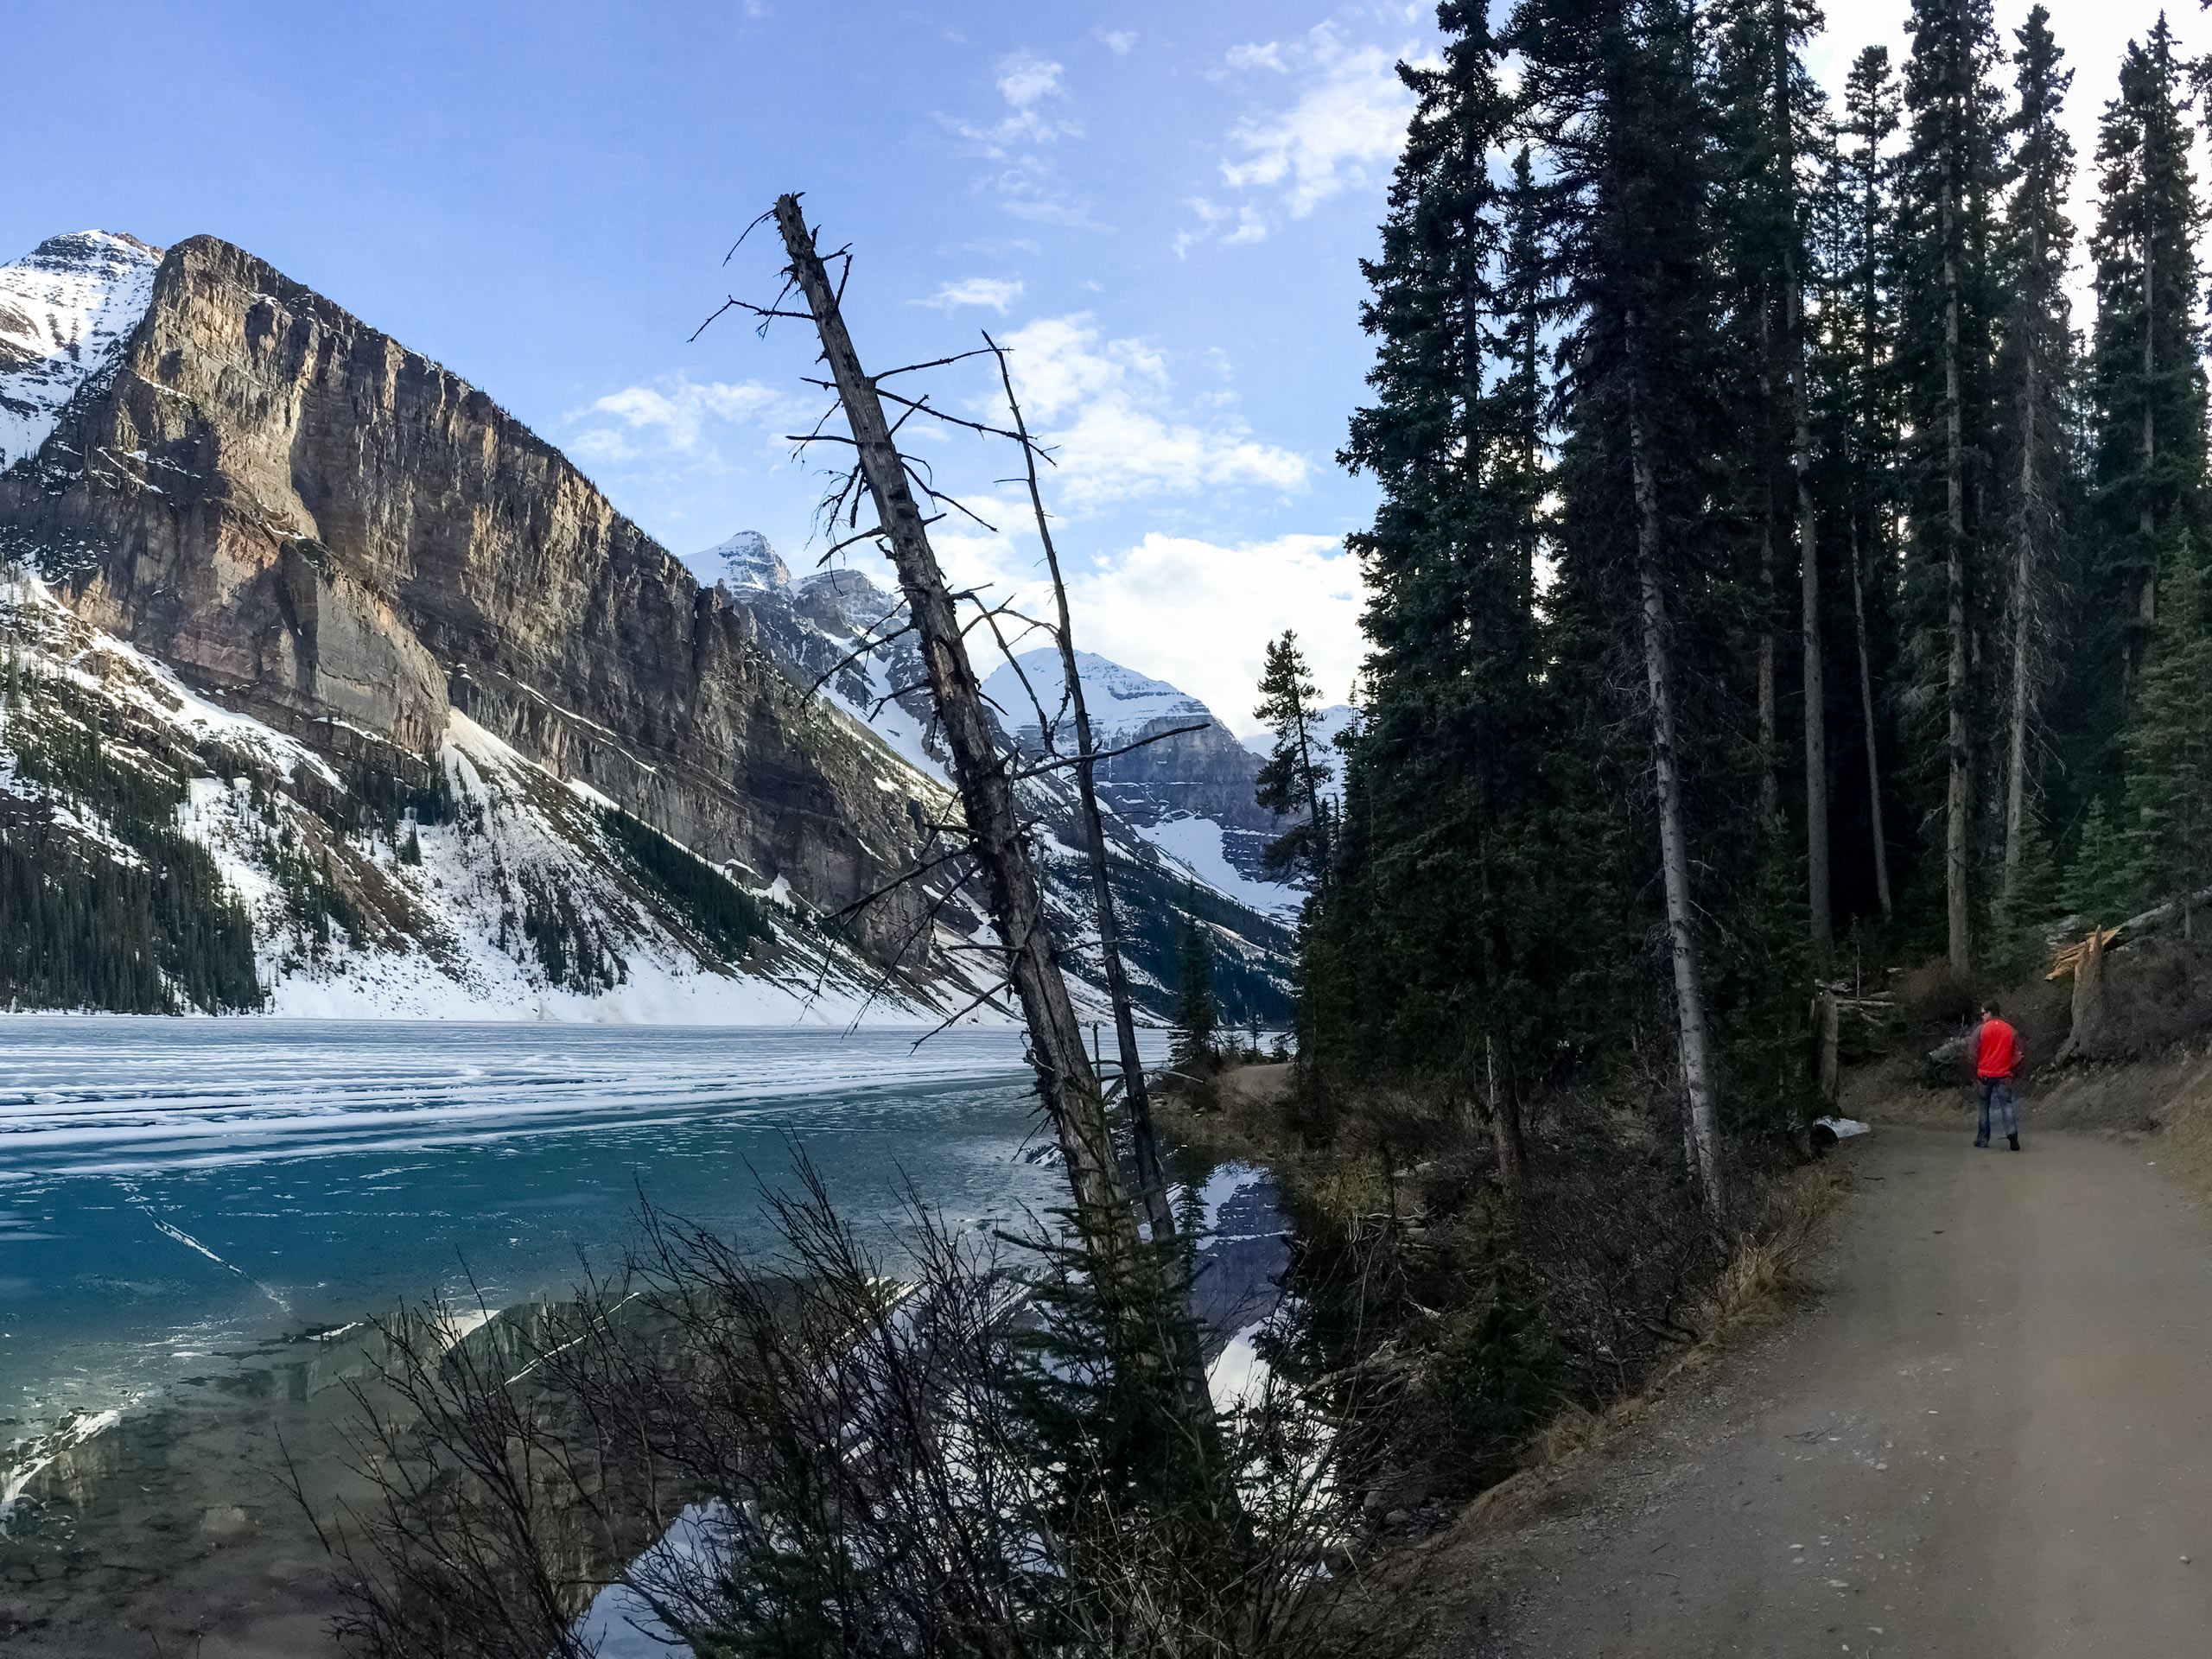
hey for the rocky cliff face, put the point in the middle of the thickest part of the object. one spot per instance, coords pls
(335, 535)
(324, 534)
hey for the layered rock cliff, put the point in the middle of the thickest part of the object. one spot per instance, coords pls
(318, 531)
(338, 536)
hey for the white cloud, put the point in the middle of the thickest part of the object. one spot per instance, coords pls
(1026, 181)
(1118, 41)
(1344, 130)
(1025, 78)
(1104, 406)
(996, 292)
(1199, 615)
(1258, 57)
(1196, 613)
(1027, 83)
(672, 414)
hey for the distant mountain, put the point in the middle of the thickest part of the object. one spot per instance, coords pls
(745, 562)
(1168, 873)
(329, 687)
(65, 309)
(1190, 794)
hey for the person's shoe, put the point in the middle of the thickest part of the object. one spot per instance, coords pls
(2015, 1139)
(1981, 1145)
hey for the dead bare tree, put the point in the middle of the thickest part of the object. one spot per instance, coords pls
(1154, 1183)
(1141, 1307)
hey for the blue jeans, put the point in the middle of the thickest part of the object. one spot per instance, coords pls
(1998, 1092)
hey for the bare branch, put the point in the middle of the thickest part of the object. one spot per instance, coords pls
(1108, 754)
(853, 656)
(764, 219)
(957, 357)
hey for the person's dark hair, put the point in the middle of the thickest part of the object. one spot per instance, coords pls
(1989, 1005)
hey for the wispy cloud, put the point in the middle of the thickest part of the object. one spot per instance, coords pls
(1196, 613)
(1107, 408)
(1268, 56)
(1345, 128)
(1342, 129)
(1116, 41)
(1026, 182)
(1030, 87)
(995, 292)
(672, 416)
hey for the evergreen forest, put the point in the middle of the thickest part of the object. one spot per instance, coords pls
(1775, 577)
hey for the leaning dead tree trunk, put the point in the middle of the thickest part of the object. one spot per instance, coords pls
(1153, 1183)
(1125, 1273)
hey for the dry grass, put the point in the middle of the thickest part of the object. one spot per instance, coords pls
(1765, 1278)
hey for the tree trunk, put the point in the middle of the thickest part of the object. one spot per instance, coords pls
(1504, 1122)
(2016, 758)
(1827, 1074)
(1958, 914)
(1151, 1180)
(1808, 558)
(1769, 789)
(2137, 652)
(1698, 1079)
(1823, 926)
(1866, 714)
(1125, 1273)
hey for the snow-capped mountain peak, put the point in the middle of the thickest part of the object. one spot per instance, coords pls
(65, 309)
(1122, 702)
(745, 562)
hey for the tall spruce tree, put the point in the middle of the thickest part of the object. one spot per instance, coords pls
(2167, 826)
(2036, 459)
(1613, 90)
(1855, 372)
(2146, 386)
(1948, 175)
(1428, 959)
(1294, 782)
(1772, 130)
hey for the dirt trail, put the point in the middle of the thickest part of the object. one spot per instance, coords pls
(1993, 1435)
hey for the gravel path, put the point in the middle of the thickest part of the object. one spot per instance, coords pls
(1991, 1436)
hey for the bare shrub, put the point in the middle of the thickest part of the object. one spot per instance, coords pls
(841, 1455)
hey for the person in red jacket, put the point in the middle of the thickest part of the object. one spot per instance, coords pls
(1996, 1051)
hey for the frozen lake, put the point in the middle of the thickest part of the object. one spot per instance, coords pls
(175, 1192)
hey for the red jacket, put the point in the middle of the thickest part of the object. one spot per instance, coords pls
(1997, 1051)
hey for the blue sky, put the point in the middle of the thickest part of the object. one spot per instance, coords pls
(1162, 206)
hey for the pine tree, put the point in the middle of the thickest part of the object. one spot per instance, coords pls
(1293, 782)
(1947, 177)
(2100, 884)
(1854, 374)
(1772, 128)
(1197, 1016)
(2035, 370)
(1614, 92)
(2147, 390)
(2168, 822)
(1429, 961)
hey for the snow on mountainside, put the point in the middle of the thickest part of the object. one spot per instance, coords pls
(495, 891)
(1189, 794)
(746, 561)
(813, 626)
(65, 309)
(1121, 702)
